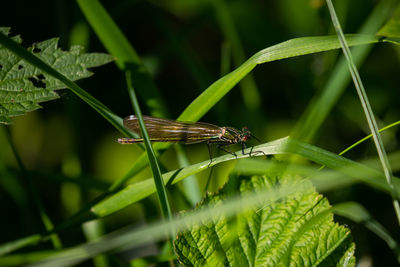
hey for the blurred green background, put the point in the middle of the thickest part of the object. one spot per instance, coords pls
(184, 44)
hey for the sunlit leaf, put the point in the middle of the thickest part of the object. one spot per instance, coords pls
(296, 231)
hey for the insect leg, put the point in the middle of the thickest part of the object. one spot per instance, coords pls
(227, 150)
(209, 152)
(251, 151)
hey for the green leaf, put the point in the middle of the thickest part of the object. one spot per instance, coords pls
(23, 86)
(392, 27)
(298, 230)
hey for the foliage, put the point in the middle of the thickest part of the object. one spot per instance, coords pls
(61, 168)
(295, 231)
(24, 86)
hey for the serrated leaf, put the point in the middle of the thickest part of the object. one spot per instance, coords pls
(296, 231)
(23, 86)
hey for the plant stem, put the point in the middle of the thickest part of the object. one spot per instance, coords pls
(367, 109)
(158, 181)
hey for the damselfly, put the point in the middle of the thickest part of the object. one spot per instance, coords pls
(163, 130)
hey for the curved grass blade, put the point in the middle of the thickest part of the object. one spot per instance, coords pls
(291, 48)
(137, 191)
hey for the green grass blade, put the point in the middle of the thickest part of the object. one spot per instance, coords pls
(321, 105)
(155, 168)
(365, 139)
(19, 243)
(368, 137)
(367, 109)
(291, 48)
(249, 90)
(26, 258)
(191, 186)
(126, 57)
(137, 191)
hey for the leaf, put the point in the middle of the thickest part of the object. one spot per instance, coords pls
(392, 27)
(23, 86)
(297, 231)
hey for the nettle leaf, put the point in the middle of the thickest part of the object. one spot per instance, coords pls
(297, 231)
(23, 86)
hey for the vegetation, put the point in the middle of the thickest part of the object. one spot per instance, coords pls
(71, 194)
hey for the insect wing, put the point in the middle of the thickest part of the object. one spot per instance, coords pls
(163, 130)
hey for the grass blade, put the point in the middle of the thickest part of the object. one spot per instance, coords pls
(137, 191)
(321, 105)
(367, 109)
(249, 90)
(155, 168)
(126, 57)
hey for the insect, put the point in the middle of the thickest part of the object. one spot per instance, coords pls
(163, 130)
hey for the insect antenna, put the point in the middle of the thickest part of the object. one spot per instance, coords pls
(252, 136)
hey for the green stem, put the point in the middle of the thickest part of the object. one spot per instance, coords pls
(158, 180)
(367, 109)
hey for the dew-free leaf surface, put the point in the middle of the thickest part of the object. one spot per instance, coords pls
(298, 230)
(23, 86)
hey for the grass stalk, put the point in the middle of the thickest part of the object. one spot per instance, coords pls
(367, 109)
(155, 168)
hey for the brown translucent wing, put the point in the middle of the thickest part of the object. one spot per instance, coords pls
(163, 130)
